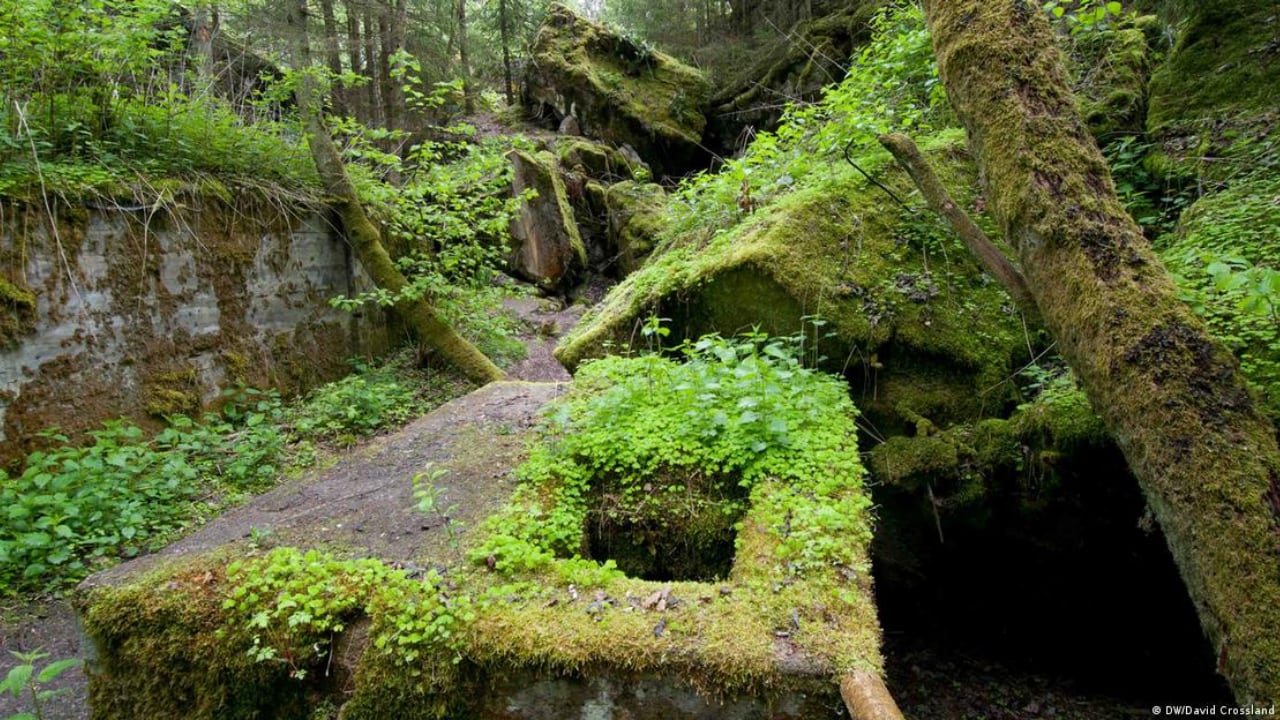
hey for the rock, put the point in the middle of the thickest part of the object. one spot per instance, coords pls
(570, 125)
(843, 250)
(1217, 93)
(635, 212)
(599, 161)
(547, 247)
(620, 91)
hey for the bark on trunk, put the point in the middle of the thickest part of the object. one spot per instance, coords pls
(1172, 396)
(356, 96)
(374, 68)
(363, 235)
(867, 698)
(332, 54)
(468, 92)
(504, 29)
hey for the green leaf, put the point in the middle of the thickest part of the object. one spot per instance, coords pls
(17, 679)
(54, 669)
(1115, 8)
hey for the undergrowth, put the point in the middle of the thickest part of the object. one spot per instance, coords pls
(1224, 257)
(77, 507)
(893, 86)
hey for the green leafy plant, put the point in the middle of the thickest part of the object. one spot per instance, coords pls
(1084, 16)
(356, 406)
(658, 445)
(24, 678)
(430, 502)
(292, 604)
(892, 86)
(75, 508)
(1224, 258)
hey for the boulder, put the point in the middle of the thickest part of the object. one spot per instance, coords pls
(547, 248)
(924, 336)
(619, 91)
(600, 161)
(1217, 93)
(635, 212)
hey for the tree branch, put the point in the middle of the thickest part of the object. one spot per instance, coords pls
(987, 254)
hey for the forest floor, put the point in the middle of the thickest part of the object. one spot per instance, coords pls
(336, 501)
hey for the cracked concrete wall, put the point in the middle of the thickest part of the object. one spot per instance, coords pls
(143, 313)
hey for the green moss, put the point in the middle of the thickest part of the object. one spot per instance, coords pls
(15, 296)
(621, 92)
(165, 652)
(905, 301)
(176, 391)
(17, 313)
(597, 160)
(636, 217)
(963, 466)
(1220, 86)
(1113, 86)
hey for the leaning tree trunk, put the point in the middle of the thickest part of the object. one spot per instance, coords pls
(1171, 395)
(423, 319)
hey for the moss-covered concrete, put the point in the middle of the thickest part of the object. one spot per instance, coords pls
(1220, 86)
(636, 212)
(961, 469)
(166, 652)
(147, 313)
(919, 329)
(766, 639)
(621, 92)
(598, 160)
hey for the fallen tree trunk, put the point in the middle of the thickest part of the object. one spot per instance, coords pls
(1172, 396)
(431, 330)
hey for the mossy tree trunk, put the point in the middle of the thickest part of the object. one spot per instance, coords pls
(363, 235)
(1172, 396)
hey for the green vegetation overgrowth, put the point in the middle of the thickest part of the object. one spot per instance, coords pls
(293, 602)
(447, 225)
(647, 430)
(97, 97)
(76, 508)
(741, 428)
(892, 86)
